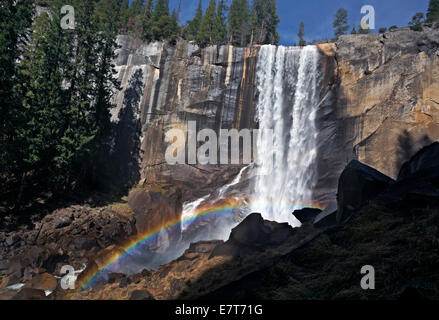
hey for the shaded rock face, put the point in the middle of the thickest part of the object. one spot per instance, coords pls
(387, 100)
(254, 233)
(358, 183)
(167, 86)
(426, 159)
(154, 211)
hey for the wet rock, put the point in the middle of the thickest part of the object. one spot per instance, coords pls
(306, 214)
(30, 294)
(327, 217)
(254, 233)
(44, 281)
(141, 295)
(357, 184)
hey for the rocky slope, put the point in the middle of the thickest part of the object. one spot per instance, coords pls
(394, 230)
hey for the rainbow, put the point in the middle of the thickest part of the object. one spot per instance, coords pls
(131, 245)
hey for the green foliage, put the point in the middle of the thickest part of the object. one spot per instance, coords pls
(301, 34)
(193, 26)
(382, 30)
(265, 22)
(393, 28)
(63, 87)
(354, 31)
(417, 19)
(15, 19)
(363, 31)
(239, 16)
(220, 35)
(417, 28)
(206, 33)
(433, 10)
(340, 23)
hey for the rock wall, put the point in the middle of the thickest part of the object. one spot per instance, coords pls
(167, 86)
(379, 102)
(388, 96)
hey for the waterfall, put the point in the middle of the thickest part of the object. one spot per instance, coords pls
(189, 209)
(287, 81)
(223, 190)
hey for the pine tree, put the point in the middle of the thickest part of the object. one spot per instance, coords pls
(207, 30)
(163, 25)
(354, 31)
(433, 10)
(265, 22)
(137, 7)
(193, 26)
(239, 22)
(340, 22)
(147, 20)
(15, 19)
(124, 15)
(301, 34)
(220, 35)
(417, 19)
(363, 31)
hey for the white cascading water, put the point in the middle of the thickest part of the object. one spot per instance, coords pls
(287, 81)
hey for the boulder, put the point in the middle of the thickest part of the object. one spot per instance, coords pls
(141, 295)
(44, 281)
(62, 222)
(13, 239)
(254, 233)
(153, 210)
(30, 294)
(358, 184)
(426, 159)
(327, 217)
(306, 214)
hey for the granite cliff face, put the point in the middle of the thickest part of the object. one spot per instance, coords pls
(379, 103)
(388, 96)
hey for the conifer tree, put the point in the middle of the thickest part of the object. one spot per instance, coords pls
(265, 22)
(147, 20)
(301, 34)
(220, 35)
(193, 26)
(433, 10)
(15, 19)
(164, 26)
(340, 22)
(363, 31)
(208, 28)
(239, 22)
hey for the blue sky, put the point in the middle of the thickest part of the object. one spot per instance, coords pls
(318, 14)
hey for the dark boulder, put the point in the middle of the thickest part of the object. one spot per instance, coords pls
(426, 159)
(358, 184)
(44, 281)
(30, 294)
(306, 214)
(141, 295)
(254, 234)
(327, 217)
